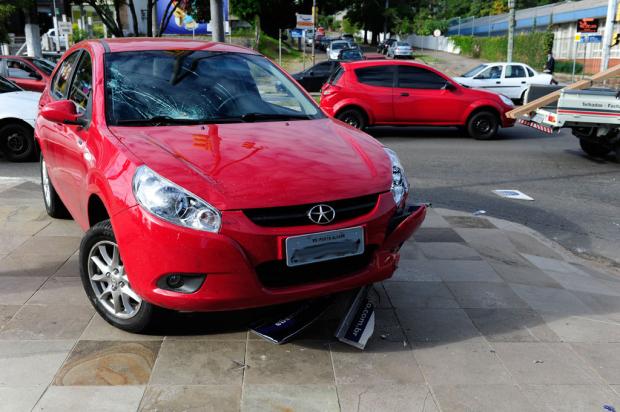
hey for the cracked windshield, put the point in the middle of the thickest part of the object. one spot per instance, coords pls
(191, 87)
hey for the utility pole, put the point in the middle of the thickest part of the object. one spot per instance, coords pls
(387, 6)
(609, 28)
(511, 29)
(217, 20)
(315, 16)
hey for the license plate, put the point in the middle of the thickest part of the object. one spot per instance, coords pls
(319, 247)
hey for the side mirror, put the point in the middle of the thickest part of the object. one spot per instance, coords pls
(479, 77)
(62, 111)
(449, 86)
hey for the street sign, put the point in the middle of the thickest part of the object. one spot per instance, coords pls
(589, 25)
(297, 33)
(589, 38)
(304, 21)
(65, 28)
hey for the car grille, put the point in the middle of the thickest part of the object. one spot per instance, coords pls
(276, 274)
(297, 215)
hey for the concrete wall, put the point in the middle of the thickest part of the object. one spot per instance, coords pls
(432, 43)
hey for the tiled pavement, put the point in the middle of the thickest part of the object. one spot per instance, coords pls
(482, 316)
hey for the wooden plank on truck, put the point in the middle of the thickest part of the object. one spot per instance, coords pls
(551, 97)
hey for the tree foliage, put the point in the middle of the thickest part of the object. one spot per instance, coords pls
(5, 12)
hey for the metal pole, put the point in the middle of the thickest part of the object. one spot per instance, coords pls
(572, 79)
(511, 29)
(280, 47)
(609, 28)
(57, 45)
(315, 15)
(217, 20)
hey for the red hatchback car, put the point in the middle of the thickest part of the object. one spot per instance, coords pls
(29, 73)
(367, 93)
(207, 179)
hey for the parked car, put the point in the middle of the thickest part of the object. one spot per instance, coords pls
(335, 47)
(28, 73)
(400, 50)
(18, 111)
(313, 78)
(390, 92)
(510, 79)
(206, 179)
(348, 37)
(324, 42)
(383, 46)
(350, 54)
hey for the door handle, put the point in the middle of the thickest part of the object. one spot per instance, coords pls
(498, 82)
(404, 94)
(523, 82)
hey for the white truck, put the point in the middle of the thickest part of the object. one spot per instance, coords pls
(593, 115)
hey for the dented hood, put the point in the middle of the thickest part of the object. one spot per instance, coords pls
(264, 164)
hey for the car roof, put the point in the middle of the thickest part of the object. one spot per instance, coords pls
(125, 44)
(369, 63)
(503, 63)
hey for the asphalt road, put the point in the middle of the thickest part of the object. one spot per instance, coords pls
(576, 198)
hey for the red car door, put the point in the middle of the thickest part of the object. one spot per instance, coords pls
(26, 76)
(424, 97)
(375, 87)
(54, 137)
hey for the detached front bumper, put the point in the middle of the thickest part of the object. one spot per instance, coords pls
(245, 263)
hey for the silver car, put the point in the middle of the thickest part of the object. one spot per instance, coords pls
(335, 47)
(400, 49)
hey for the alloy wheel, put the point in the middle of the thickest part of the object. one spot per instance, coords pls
(109, 281)
(15, 142)
(483, 125)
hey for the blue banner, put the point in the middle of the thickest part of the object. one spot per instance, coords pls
(182, 22)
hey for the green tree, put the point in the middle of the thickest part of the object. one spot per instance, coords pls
(5, 12)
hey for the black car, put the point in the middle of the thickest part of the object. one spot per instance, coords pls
(313, 78)
(351, 54)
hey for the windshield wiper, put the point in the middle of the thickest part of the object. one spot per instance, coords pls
(253, 117)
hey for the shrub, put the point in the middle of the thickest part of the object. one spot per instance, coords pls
(530, 48)
(566, 66)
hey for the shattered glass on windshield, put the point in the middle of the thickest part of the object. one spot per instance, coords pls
(198, 85)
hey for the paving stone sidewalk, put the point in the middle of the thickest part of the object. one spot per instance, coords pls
(482, 315)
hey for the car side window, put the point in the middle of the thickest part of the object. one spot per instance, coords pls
(82, 84)
(21, 70)
(60, 82)
(322, 68)
(514, 71)
(410, 77)
(382, 76)
(493, 72)
(530, 72)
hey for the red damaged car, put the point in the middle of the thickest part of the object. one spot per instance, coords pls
(206, 179)
(368, 93)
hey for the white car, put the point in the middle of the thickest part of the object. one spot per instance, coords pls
(509, 79)
(18, 111)
(335, 47)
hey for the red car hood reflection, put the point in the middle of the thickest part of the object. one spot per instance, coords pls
(263, 164)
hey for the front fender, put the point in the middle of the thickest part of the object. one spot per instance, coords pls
(482, 103)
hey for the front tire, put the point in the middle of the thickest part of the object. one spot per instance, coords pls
(353, 117)
(17, 142)
(106, 283)
(483, 125)
(53, 205)
(594, 149)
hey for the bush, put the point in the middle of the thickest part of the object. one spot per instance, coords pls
(530, 48)
(566, 66)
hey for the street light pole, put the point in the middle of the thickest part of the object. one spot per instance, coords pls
(217, 20)
(315, 16)
(609, 28)
(511, 29)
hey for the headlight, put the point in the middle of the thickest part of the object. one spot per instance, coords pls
(400, 185)
(170, 202)
(506, 100)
